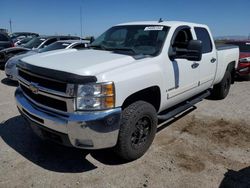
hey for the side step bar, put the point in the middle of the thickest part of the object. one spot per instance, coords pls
(173, 111)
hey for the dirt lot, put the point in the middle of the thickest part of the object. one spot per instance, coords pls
(206, 147)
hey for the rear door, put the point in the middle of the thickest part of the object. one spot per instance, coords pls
(207, 66)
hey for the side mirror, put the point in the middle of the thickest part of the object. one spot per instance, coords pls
(193, 52)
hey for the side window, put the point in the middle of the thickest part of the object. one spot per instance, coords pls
(203, 35)
(182, 38)
(48, 42)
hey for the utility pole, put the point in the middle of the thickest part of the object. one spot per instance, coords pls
(10, 22)
(81, 20)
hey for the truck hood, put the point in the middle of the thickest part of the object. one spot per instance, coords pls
(15, 59)
(81, 62)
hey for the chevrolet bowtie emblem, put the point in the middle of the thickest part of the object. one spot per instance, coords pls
(34, 88)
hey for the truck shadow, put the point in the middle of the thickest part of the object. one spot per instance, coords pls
(239, 179)
(18, 135)
(9, 82)
(243, 79)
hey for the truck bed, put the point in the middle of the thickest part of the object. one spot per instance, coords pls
(225, 54)
(225, 46)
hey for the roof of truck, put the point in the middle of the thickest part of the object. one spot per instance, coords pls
(164, 23)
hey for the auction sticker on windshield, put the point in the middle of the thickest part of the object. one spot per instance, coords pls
(154, 28)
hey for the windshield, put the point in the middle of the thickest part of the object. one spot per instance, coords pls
(25, 40)
(135, 39)
(55, 46)
(34, 43)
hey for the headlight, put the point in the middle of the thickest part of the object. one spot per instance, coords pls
(97, 96)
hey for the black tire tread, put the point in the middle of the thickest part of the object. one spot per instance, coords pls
(129, 114)
(218, 92)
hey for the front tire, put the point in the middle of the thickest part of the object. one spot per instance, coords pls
(137, 130)
(221, 90)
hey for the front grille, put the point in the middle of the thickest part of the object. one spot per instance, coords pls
(44, 100)
(43, 82)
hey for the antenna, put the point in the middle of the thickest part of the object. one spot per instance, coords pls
(160, 20)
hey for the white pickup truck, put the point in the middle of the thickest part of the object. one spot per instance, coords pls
(112, 94)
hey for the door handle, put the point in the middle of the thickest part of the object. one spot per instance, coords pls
(213, 60)
(195, 65)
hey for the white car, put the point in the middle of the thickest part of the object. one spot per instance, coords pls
(112, 94)
(10, 66)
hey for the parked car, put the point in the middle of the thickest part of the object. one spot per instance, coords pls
(36, 43)
(5, 41)
(112, 94)
(10, 66)
(243, 68)
(21, 35)
(23, 41)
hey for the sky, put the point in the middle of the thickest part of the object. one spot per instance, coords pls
(224, 17)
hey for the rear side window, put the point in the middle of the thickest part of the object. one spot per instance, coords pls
(3, 38)
(203, 35)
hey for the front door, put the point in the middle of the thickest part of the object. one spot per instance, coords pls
(186, 72)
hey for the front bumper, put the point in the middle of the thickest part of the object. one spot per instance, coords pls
(88, 130)
(243, 69)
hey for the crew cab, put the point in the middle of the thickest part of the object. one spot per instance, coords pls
(113, 94)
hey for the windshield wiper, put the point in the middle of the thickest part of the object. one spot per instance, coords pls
(102, 47)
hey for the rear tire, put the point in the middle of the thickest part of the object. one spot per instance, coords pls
(221, 90)
(137, 130)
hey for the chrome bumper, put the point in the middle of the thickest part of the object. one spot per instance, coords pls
(11, 72)
(88, 130)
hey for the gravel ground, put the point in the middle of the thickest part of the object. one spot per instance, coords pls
(206, 147)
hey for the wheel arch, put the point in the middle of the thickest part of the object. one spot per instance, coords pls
(231, 68)
(151, 95)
